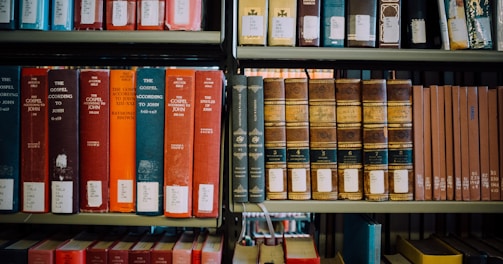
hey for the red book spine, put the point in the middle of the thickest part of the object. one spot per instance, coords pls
(121, 14)
(94, 140)
(184, 15)
(71, 256)
(34, 140)
(88, 15)
(179, 141)
(207, 143)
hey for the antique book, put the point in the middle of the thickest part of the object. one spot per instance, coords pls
(323, 139)
(120, 14)
(34, 14)
(473, 142)
(62, 15)
(483, 103)
(361, 25)
(456, 24)
(428, 191)
(465, 152)
(94, 134)
(255, 119)
(282, 23)
(88, 15)
(74, 251)
(349, 139)
(34, 177)
(9, 15)
(297, 139)
(212, 250)
(122, 140)
(239, 125)
(179, 142)
(64, 140)
(10, 159)
(308, 22)
(184, 15)
(479, 24)
(275, 139)
(418, 141)
(375, 140)
(162, 251)
(400, 139)
(494, 165)
(449, 148)
(252, 22)
(333, 29)
(456, 143)
(182, 250)
(389, 23)
(151, 14)
(150, 94)
(207, 143)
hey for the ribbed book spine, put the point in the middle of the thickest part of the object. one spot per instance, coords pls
(323, 139)
(256, 169)
(349, 139)
(239, 139)
(333, 23)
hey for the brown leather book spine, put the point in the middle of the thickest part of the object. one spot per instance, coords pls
(400, 140)
(349, 139)
(465, 168)
(308, 22)
(449, 141)
(375, 140)
(427, 145)
(485, 192)
(323, 139)
(456, 143)
(275, 138)
(473, 143)
(443, 176)
(361, 26)
(297, 139)
(418, 132)
(494, 165)
(389, 26)
(435, 140)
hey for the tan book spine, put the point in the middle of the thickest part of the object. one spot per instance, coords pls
(494, 165)
(500, 122)
(275, 138)
(297, 139)
(427, 145)
(375, 140)
(349, 139)
(436, 145)
(465, 167)
(456, 138)
(252, 22)
(449, 148)
(418, 133)
(323, 139)
(485, 192)
(282, 23)
(473, 143)
(400, 140)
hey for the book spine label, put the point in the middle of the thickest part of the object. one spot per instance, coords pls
(88, 14)
(361, 28)
(473, 142)
(150, 94)
(308, 22)
(252, 22)
(94, 140)
(239, 139)
(390, 23)
(120, 15)
(333, 23)
(256, 169)
(34, 14)
(62, 15)
(10, 138)
(151, 14)
(64, 140)
(94, 256)
(494, 165)
(479, 24)
(184, 15)
(416, 21)
(282, 23)
(418, 132)
(8, 15)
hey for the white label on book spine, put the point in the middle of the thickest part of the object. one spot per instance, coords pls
(350, 180)
(483, 28)
(94, 194)
(147, 197)
(87, 12)
(401, 181)
(391, 30)
(418, 31)
(336, 27)
(376, 182)
(125, 191)
(150, 12)
(60, 12)
(182, 12)
(119, 13)
(62, 196)
(5, 11)
(205, 198)
(29, 12)
(311, 27)
(299, 180)
(34, 196)
(283, 27)
(276, 183)
(6, 194)
(177, 199)
(324, 178)
(253, 26)
(362, 26)
(458, 30)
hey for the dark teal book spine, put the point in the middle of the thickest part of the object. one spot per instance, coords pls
(9, 138)
(479, 24)
(256, 160)
(62, 15)
(150, 94)
(8, 14)
(333, 23)
(239, 139)
(34, 14)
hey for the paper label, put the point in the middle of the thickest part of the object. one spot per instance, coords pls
(182, 12)
(276, 183)
(253, 26)
(60, 12)
(401, 181)
(418, 31)
(299, 180)
(29, 12)
(376, 181)
(119, 13)
(62, 196)
(6, 194)
(125, 191)
(350, 180)
(391, 30)
(205, 198)
(147, 199)
(5, 11)
(459, 32)
(94, 194)
(150, 13)
(87, 12)
(362, 23)
(311, 27)
(324, 177)
(283, 27)
(177, 198)
(33, 196)
(483, 28)
(336, 27)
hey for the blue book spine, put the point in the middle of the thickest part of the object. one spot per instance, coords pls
(333, 23)
(62, 15)
(34, 14)
(9, 138)
(150, 93)
(8, 14)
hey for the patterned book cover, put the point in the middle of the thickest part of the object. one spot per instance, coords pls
(239, 126)
(255, 119)
(479, 24)
(390, 23)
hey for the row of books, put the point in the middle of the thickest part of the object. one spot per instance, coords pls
(377, 139)
(144, 140)
(89, 247)
(449, 24)
(67, 15)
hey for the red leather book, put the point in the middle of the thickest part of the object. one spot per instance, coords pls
(212, 249)
(179, 142)
(88, 15)
(140, 252)
(308, 22)
(74, 251)
(197, 248)
(119, 253)
(184, 15)
(98, 252)
(494, 164)
(485, 192)
(34, 140)
(45, 251)
(120, 14)
(94, 140)
(473, 142)
(207, 143)
(182, 251)
(162, 252)
(150, 14)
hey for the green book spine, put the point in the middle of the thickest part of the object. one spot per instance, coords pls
(239, 139)
(256, 165)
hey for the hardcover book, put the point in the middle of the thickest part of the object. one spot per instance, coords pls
(162, 251)
(500, 131)
(122, 140)
(120, 14)
(34, 140)
(390, 23)
(473, 142)
(119, 253)
(64, 140)
(212, 250)
(255, 119)
(94, 139)
(465, 150)
(437, 141)
(207, 143)
(308, 22)
(361, 26)
(179, 142)
(444, 29)
(97, 253)
(429, 250)
(239, 139)
(282, 26)
(418, 141)
(456, 24)
(150, 94)
(479, 24)
(74, 251)
(197, 248)
(498, 25)
(416, 21)
(449, 148)
(17, 252)
(140, 252)
(494, 155)
(88, 14)
(62, 15)
(45, 251)
(252, 22)
(10, 159)
(362, 239)
(8, 15)
(150, 14)
(34, 14)
(485, 188)
(300, 250)
(182, 250)
(456, 143)
(333, 23)
(184, 15)
(323, 139)
(428, 185)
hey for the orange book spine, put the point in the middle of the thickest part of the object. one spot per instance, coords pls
(427, 145)
(494, 156)
(184, 15)
(500, 122)
(449, 149)
(485, 192)
(436, 152)
(179, 141)
(122, 140)
(456, 137)
(418, 119)
(473, 143)
(465, 168)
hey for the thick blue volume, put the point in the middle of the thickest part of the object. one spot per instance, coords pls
(150, 94)
(34, 14)
(62, 15)
(8, 15)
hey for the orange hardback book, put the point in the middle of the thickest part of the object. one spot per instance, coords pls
(179, 142)
(473, 142)
(207, 139)
(184, 15)
(427, 145)
(456, 137)
(485, 192)
(418, 117)
(465, 168)
(120, 14)
(449, 154)
(122, 140)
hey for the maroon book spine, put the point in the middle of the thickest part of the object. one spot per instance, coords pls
(308, 18)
